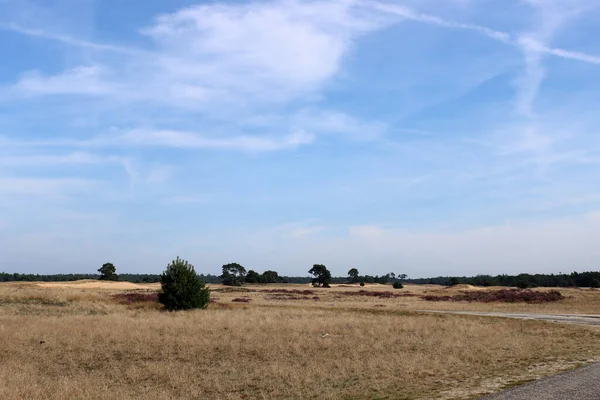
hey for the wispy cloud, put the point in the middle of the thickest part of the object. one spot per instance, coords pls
(84, 80)
(573, 55)
(551, 15)
(68, 40)
(179, 139)
(161, 138)
(410, 14)
(46, 187)
(73, 158)
(182, 200)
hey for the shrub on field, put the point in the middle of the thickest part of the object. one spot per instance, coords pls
(241, 300)
(129, 298)
(504, 296)
(398, 285)
(362, 284)
(182, 289)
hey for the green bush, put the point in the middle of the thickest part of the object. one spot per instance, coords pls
(398, 285)
(182, 289)
(362, 284)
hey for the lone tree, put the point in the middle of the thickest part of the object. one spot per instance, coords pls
(353, 275)
(322, 276)
(182, 289)
(108, 272)
(233, 274)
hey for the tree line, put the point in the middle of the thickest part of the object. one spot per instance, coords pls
(574, 279)
(234, 276)
(133, 278)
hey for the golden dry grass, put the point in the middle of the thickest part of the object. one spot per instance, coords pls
(66, 342)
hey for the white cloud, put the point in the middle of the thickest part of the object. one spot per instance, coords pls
(531, 80)
(297, 230)
(573, 55)
(159, 174)
(531, 140)
(410, 14)
(83, 80)
(66, 39)
(288, 46)
(191, 140)
(513, 247)
(77, 157)
(407, 182)
(165, 138)
(551, 16)
(555, 245)
(338, 123)
(46, 187)
(187, 199)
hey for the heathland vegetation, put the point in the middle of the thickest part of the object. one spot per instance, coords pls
(113, 340)
(253, 334)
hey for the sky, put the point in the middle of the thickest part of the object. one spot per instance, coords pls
(423, 137)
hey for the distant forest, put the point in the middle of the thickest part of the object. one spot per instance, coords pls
(574, 279)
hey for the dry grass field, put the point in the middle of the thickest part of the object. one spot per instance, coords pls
(79, 341)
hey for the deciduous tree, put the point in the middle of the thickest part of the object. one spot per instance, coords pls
(233, 274)
(322, 276)
(353, 275)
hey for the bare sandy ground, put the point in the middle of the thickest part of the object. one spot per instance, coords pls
(581, 319)
(91, 284)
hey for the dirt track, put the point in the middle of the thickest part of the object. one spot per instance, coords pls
(581, 319)
(579, 384)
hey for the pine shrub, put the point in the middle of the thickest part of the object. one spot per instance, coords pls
(182, 289)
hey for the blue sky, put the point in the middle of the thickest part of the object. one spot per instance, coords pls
(419, 137)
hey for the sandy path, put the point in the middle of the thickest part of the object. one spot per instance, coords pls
(582, 319)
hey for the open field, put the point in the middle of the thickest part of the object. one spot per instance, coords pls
(77, 340)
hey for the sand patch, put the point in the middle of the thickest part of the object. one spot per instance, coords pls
(92, 284)
(466, 287)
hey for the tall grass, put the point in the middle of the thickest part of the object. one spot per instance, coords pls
(94, 346)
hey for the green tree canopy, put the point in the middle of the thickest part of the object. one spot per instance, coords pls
(233, 274)
(322, 276)
(108, 272)
(270, 277)
(253, 277)
(353, 275)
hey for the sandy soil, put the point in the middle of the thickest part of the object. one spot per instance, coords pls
(92, 284)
